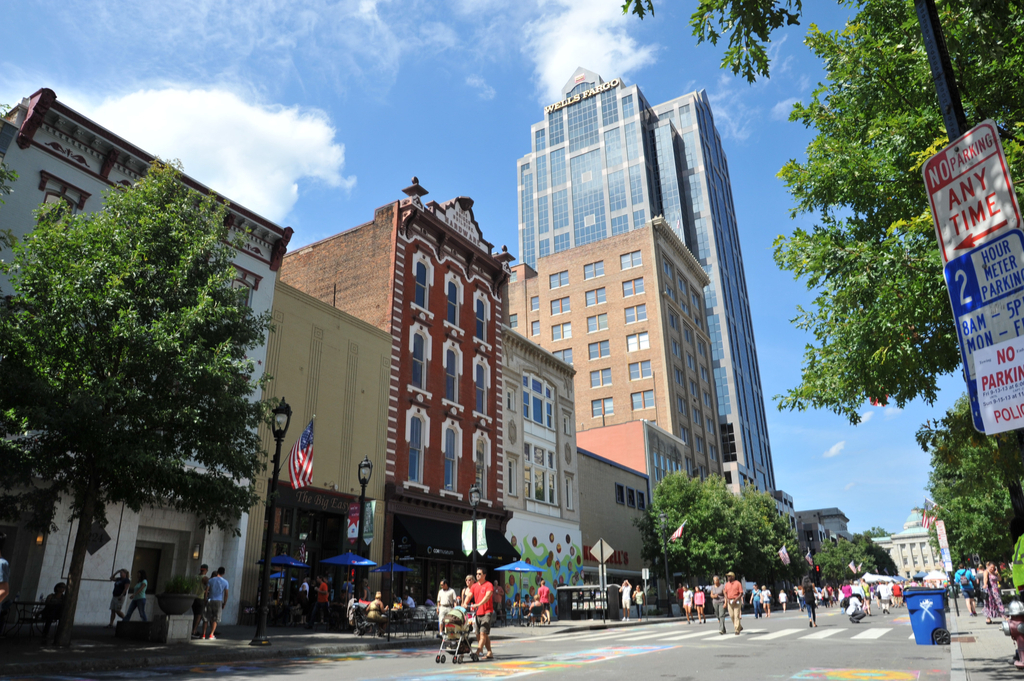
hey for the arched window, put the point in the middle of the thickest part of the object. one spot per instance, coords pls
(451, 377)
(419, 367)
(449, 459)
(453, 303)
(415, 448)
(481, 392)
(481, 467)
(421, 285)
(481, 318)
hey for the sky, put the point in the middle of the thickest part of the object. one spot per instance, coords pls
(315, 112)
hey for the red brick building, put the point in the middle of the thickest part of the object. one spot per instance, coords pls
(425, 274)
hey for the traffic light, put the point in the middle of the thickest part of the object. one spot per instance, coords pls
(817, 575)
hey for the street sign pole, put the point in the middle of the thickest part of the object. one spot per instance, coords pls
(942, 69)
(602, 551)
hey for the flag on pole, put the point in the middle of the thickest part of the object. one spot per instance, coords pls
(926, 519)
(853, 568)
(300, 461)
(678, 533)
(784, 555)
(859, 566)
(809, 559)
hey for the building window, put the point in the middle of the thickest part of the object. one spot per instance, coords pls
(481, 389)
(597, 323)
(594, 269)
(564, 355)
(700, 445)
(680, 404)
(643, 400)
(560, 306)
(688, 334)
(481, 467)
(630, 260)
(513, 321)
(679, 377)
(701, 349)
(568, 493)
(534, 328)
(602, 407)
(599, 349)
(630, 497)
(449, 459)
(421, 285)
(641, 501)
(419, 368)
(513, 277)
(704, 374)
(510, 400)
(415, 448)
(672, 319)
(538, 399)
(561, 242)
(513, 476)
(565, 425)
(693, 388)
(689, 361)
(638, 341)
(595, 297)
(481, 320)
(639, 370)
(627, 106)
(600, 377)
(620, 493)
(540, 143)
(451, 376)
(637, 313)
(633, 287)
(558, 279)
(684, 435)
(535, 303)
(453, 303)
(696, 417)
(561, 331)
(675, 348)
(707, 399)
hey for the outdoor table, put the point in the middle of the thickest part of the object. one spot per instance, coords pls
(22, 613)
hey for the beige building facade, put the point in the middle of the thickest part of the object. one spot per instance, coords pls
(911, 549)
(628, 313)
(328, 364)
(612, 498)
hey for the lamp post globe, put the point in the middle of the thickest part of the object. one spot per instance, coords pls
(365, 471)
(279, 427)
(474, 501)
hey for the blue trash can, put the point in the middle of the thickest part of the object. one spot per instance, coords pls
(927, 615)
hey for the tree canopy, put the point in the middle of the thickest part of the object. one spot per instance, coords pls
(124, 366)
(834, 559)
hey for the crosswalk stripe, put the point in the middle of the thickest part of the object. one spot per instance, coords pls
(868, 634)
(777, 634)
(637, 637)
(821, 634)
(595, 637)
(680, 637)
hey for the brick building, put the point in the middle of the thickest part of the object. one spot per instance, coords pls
(628, 313)
(425, 274)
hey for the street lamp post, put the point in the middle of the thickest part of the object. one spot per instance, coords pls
(474, 500)
(282, 417)
(365, 471)
(668, 580)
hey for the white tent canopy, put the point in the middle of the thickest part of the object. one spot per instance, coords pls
(872, 578)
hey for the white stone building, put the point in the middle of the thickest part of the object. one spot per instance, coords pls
(60, 155)
(911, 549)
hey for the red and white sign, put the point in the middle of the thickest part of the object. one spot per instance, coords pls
(353, 521)
(940, 529)
(999, 370)
(970, 191)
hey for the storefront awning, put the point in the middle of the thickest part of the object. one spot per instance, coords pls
(424, 538)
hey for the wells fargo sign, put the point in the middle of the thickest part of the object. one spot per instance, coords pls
(583, 95)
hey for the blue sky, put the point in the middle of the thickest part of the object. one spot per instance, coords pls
(313, 113)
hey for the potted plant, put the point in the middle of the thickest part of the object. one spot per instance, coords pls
(179, 593)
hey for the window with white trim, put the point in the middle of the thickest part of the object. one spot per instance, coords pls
(453, 303)
(594, 269)
(630, 260)
(538, 402)
(451, 376)
(540, 474)
(481, 320)
(638, 341)
(419, 361)
(633, 287)
(481, 466)
(416, 449)
(420, 296)
(481, 389)
(450, 459)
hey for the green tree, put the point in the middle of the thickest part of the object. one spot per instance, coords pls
(880, 320)
(749, 23)
(763, 532)
(969, 482)
(7, 177)
(882, 562)
(877, 531)
(124, 366)
(835, 559)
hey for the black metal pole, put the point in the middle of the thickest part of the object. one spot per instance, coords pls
(260, 639)
(359, 537)
(668, 580)
(474, 542)
(942, 69)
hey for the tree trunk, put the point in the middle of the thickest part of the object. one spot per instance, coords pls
(62, 637)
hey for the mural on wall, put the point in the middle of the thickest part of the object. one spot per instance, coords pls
(556, 550)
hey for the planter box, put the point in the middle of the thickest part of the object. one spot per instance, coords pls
(162, 629)
(175, 604)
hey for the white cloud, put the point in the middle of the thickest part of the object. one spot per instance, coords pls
(835, 449)
(485, 90)
(780, 111)
(574, 33)
(866, 416)
(892, 412)
(253, 154)
(849, 485)
(733, 117)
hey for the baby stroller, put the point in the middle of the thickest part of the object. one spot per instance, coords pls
(361, 626)
(457, 624)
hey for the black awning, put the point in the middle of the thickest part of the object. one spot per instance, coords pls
(425, 538)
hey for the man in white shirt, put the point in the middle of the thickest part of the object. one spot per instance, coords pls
(218, 589)
(855, 611)
(884, 591)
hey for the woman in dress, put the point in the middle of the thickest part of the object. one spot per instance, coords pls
(698, 600)
(688, 602)
(993, 599)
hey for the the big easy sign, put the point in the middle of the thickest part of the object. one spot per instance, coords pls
(970, 191)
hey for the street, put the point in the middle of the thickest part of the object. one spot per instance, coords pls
(782, 647)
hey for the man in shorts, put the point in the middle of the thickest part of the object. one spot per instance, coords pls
(218, 588)
(965, 578)
(483, 604)
(544, 594)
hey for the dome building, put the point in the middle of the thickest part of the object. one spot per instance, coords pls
(911, 549)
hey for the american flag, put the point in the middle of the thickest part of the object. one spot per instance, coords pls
(678, 533)
(927, 520)
(300, 461)
(784, 555)
(809, 559)
(853, 568)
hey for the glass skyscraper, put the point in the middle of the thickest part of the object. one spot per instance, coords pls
(603, 162)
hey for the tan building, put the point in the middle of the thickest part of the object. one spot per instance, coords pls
(911, 549)
(326, 363)
(612, 498)
(542, 474)
(628, 313)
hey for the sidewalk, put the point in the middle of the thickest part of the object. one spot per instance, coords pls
(95, 648)
(980, 651)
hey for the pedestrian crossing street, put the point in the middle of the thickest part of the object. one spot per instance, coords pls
(662, 635)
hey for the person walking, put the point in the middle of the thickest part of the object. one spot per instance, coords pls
(446, 600)
(483, 605)
(718, 602)
(626, 595)
(138, 598)
(680, 598)
(808, 601)
(640, 598)
(688, 602)
(199, 604)
(884, 592)
(801, 596)
(322, 603)
(755, 601)
(897, 595)
(766, 600)
(218, 588)
(864, 589)
(965, 578)
(734, 601)
(698, 601)
(990, 588)
(544, 593)
(121, 582)
(783, 599)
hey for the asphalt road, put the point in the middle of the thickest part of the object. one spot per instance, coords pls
(782, 647)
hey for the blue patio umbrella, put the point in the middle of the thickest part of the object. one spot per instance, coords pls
(285, 561)
(348, 559)
(280, 575)
(520, 566)
(391, 567)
